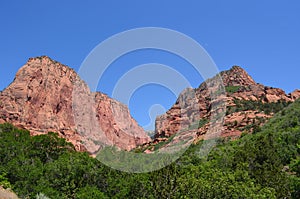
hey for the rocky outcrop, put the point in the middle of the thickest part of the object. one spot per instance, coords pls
(194, 106)
(48, 96)
(295, 94)
(236, 76)
(7, 194)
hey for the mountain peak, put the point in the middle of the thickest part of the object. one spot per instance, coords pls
(237, 76)
(45, 62)
(42, 57)
(248, 105)
(49, 96)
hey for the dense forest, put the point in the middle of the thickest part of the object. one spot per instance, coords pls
(265, 164)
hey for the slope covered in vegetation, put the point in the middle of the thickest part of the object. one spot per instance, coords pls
(265, 164)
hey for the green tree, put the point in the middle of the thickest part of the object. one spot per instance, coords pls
(90, 192)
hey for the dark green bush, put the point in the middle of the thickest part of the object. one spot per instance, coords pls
(232, 89)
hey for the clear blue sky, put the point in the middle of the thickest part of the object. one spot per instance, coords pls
(261, 36)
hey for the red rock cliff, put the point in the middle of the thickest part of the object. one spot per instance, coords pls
(48, 96)
(194, 106)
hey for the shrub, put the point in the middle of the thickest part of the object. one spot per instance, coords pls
(4, 181)
(232, 89)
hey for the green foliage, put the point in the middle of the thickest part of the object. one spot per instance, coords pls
(260, 165)
(253, 127)
(161, 144)
(245, 105)
(157, 146)
(135, 162)
(215, 183)
(49, 147)
(4, 181)
(90, 192)
(295, 166)
(232, 89)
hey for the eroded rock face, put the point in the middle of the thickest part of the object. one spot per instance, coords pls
(48, 96)
(195, 106)
(237, 76)
(295, 94)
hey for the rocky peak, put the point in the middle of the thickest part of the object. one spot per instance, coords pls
(248, 104)
(49, 96)
(237, 76)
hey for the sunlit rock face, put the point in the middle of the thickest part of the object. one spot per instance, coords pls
(49, 96)
(194, 106)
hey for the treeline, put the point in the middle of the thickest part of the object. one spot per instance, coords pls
(265, 164)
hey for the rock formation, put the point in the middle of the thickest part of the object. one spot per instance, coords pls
(7, 194)
(48, 96)
(247, 105)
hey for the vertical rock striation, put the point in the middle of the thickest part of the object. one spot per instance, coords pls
(49, 96)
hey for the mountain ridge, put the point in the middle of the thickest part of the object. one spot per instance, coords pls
(49, 96)
(248, 106)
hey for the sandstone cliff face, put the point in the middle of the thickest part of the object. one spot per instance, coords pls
(48, 96)
(192, 113)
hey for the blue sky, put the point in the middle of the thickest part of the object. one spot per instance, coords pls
(261, 36)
